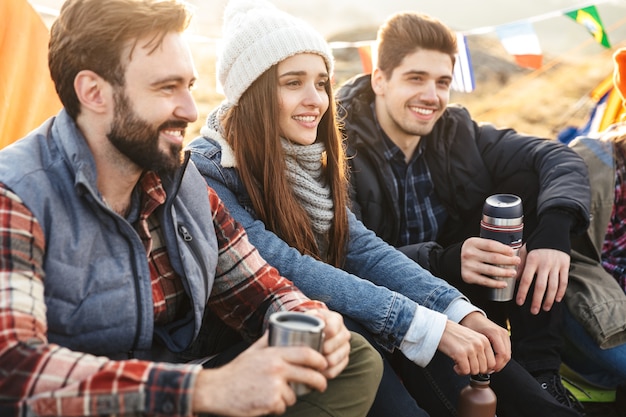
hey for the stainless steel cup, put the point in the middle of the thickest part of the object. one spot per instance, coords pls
(290, 328)
(503, 220)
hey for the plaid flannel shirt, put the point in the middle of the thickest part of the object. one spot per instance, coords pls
(47, 379)
(614, 247)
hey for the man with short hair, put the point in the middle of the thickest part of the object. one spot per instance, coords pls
(421, 171)
(119, 264)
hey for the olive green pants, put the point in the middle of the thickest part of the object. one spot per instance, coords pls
(350, 394)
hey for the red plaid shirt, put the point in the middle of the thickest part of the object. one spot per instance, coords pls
(614, 247)
(40, 378)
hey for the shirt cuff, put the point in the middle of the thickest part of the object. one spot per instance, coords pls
(459, 308)
(553, 231)
(422, 338)
(169, 389)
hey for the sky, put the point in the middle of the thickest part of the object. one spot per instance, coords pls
(332, 17)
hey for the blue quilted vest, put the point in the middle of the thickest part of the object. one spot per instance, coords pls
(97, 281)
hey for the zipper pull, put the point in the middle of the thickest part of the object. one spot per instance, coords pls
(185, 233)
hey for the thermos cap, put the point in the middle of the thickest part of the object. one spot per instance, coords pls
(481, 377)
(503, 206)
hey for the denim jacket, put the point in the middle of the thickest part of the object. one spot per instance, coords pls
(379, 286)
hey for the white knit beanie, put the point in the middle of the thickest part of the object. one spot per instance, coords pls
(257, 35)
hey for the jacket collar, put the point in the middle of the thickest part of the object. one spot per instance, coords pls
(212, 129)
(75, 151)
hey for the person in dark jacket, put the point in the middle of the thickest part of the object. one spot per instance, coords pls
(420, 173)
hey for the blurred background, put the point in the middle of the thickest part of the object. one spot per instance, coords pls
(539, 101)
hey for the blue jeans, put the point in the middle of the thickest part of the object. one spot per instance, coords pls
(605, 368)
(392, 398)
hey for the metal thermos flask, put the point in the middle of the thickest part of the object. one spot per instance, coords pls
(503, 220)
(477, 399)
(290, 328)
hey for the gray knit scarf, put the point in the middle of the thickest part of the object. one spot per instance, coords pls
(304, 173)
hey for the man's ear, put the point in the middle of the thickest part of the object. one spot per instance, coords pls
(378, 81)
(93, 92)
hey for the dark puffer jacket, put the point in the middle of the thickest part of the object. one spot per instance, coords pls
(468, 162)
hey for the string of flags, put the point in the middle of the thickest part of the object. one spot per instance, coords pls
(518, 39)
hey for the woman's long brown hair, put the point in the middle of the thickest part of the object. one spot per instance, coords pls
(251, 128)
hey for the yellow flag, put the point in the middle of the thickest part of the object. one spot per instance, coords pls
(590, 19)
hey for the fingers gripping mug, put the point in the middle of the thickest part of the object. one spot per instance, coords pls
(503, 220)
(290, 328)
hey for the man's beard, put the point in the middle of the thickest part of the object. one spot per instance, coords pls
(139, 141)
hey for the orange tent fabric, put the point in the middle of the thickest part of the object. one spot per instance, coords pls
(27, 95)
(612, 109)
(365, 53)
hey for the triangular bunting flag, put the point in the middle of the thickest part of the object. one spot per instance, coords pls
(463, 78)
(520, 40)
(590, 19)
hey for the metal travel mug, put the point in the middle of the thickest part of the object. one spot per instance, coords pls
(289, 328)
(503, 220)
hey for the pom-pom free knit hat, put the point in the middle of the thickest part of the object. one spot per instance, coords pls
(257, 35)
(619, 73)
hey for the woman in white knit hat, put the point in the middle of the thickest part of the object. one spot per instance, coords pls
(273, 153)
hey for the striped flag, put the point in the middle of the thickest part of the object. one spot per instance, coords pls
(590, 19)
(463, 77)
(520, 40)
